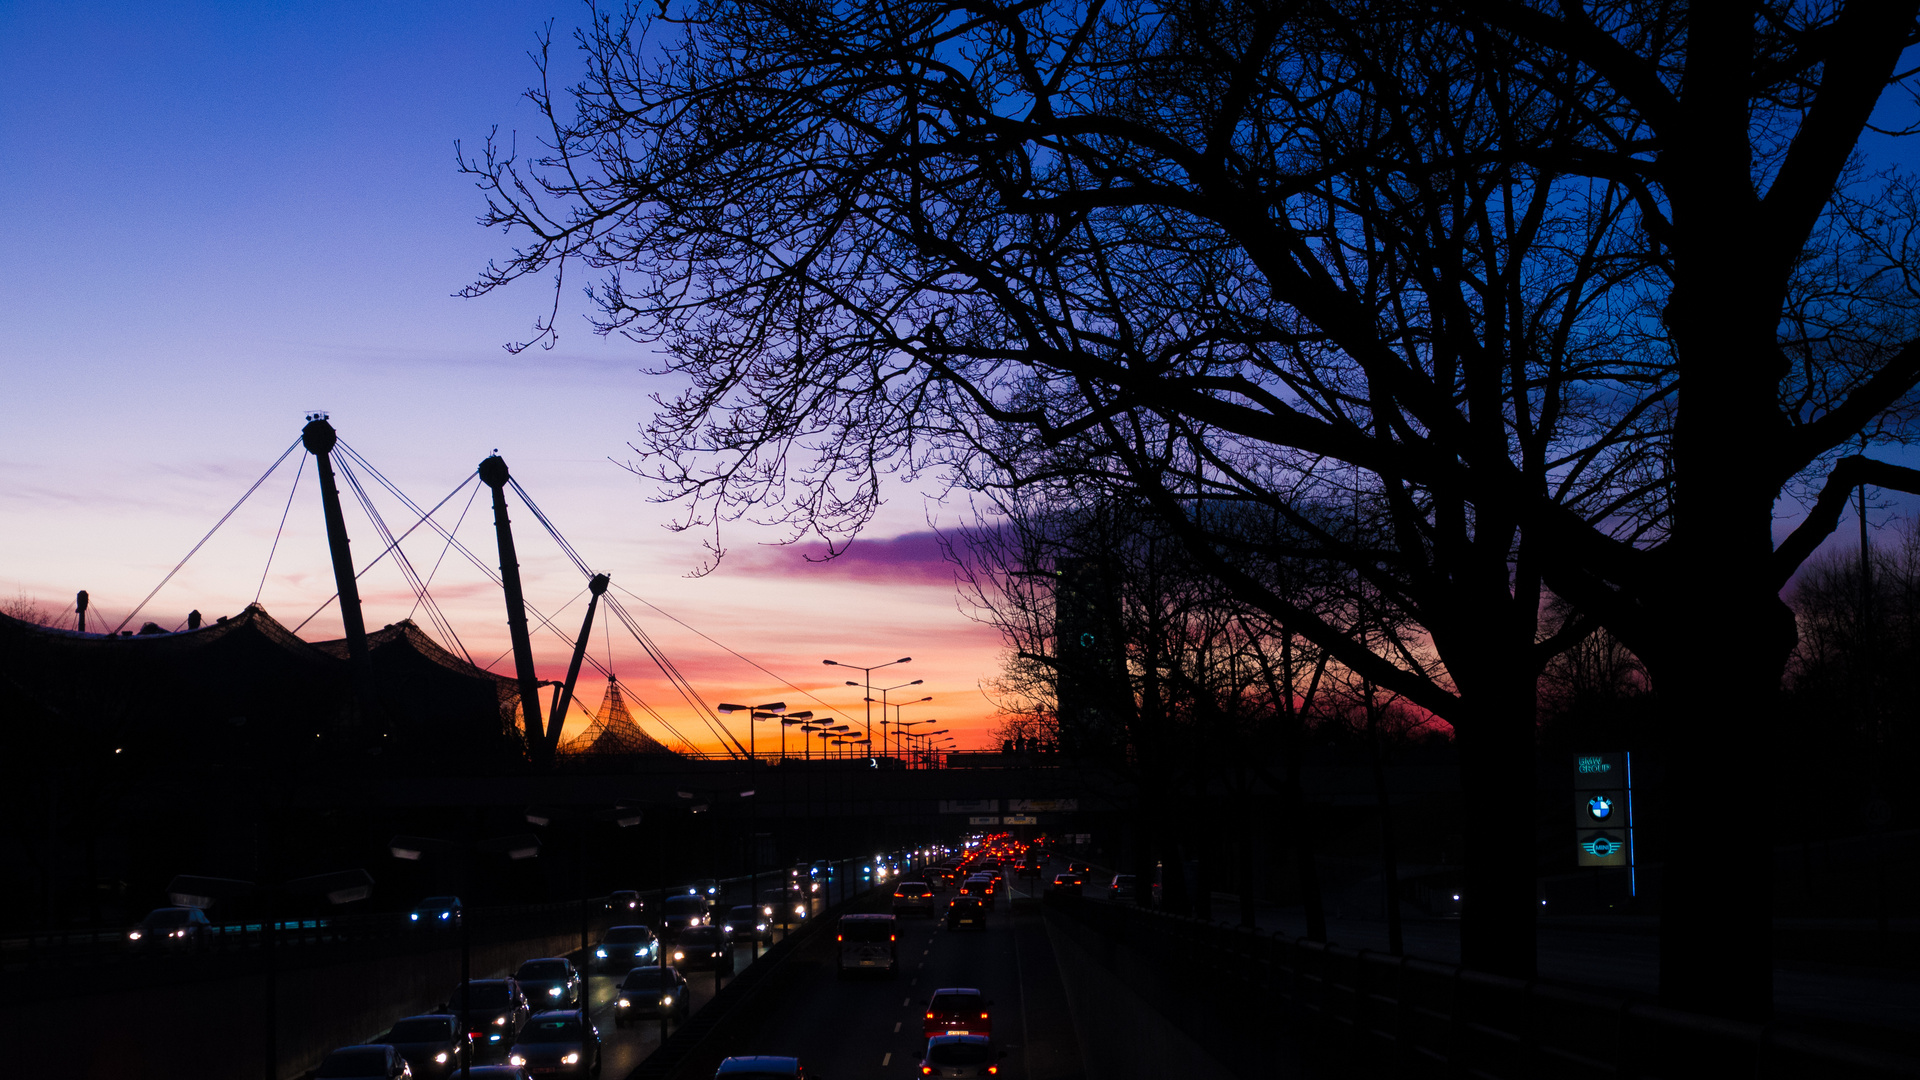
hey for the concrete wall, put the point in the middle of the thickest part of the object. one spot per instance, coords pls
(213, 1030)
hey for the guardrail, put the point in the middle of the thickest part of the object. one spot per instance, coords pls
(1363, 1013)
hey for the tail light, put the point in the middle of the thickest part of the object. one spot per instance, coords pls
(983, 1016)
(929, 1016)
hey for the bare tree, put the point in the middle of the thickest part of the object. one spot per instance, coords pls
(1572, 295)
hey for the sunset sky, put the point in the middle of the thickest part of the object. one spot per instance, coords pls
(223, 216)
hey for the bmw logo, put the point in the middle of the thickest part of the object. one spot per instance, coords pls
(1600, 808)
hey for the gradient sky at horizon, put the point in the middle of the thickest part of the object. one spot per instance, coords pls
(224, 215)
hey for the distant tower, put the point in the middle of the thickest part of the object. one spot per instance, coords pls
(80, 606)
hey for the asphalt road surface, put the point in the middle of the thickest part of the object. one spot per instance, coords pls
(869, 1025)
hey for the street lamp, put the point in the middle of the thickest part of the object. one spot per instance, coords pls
(868, 672)
(769, 711)
(788, 721)
(896, 708)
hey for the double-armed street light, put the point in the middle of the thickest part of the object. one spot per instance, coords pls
(896, 711)
(884, 691)
(868, 673)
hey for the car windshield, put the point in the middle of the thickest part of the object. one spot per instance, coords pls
(354, 1063)
(866, 929)
(959, 1053)
(551, 1029)
(424, 1029)
(648, 978)
(953, 1003)
(628, 935)
(743, 914)
(913, 890)
(543, 969)
(170, 917)
(1123, 879)
(440, 902)
(486, 995)
(704, 935)
(684, 905)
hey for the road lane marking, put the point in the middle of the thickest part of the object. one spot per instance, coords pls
(886, 1060)
(905, 1001)
(896, 1027)
(915, 982)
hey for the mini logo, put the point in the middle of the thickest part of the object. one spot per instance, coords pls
(1602, 847)
(1600, 808)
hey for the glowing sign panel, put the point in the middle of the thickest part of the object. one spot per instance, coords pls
(1603, 809)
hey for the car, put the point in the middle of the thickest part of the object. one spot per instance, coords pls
(496, 1009)
(960, 1055)
(704, 948)
(679, 912)
(707, 887)
(783, 907)
(969, 912)
(652, 992)
(868, 943)
(958, 1010)
(550, 981)
(1121, 889)
(761, 1067)
(437, 911)
(625, 902)
(916, 896)
(621, 947)
(747, 923)
(979, 885)
(560, 1042)
(370, 1062)
(171, 927)
(495, 1072)
(432, 1045)
(1068, 883)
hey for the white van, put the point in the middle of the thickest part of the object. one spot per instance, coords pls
(868, 943)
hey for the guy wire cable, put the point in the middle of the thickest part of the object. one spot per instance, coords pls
(362, 572)
(203, 540)
(297, 474)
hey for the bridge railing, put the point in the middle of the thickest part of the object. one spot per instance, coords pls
(1364, 1013)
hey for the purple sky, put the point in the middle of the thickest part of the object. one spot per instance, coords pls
(221, 216)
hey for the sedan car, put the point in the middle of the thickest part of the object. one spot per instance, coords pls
(960, 1055)
(958, 1010)
(495, 1008)
(171, 927)
(625, 902)
(558, 1043)
(704, 948)
(783, 907)
(1121, 888)
(979, 885)
(623, 947)
(550, 982)
(748, 923)
(652, 992)
(968, 912)
(370, 1062)
(436, 911)
(914, 896)
(679, 912)
(432, 1045)
(1068, 883)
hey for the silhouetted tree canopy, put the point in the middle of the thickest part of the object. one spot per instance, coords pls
(1566, 296)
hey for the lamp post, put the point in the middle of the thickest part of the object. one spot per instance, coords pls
(788, 721)
(900, 726)
(896, 711)
(516, 846)
(868, 673)
(770, 710)
(883, 707)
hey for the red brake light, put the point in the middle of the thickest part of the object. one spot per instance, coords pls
(983, 1016)
(929, 1016)
(839, 937)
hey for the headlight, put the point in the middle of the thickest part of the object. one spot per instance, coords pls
(601, 953)
(178, 933)
(678, 955)
(516, 1059)
(133, 935)
(571, 1059)
(413, 915)
(727, 929)
(446, 914)
(441, 1057)
(799, 910)
(762, 926)
(767, 910)
(553, 991)
(625, 1004)
(499, 1021)
(668, 1000)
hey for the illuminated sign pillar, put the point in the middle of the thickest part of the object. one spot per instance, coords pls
(1603, 812)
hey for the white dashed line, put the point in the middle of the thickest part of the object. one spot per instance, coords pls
(906, 1001)
(915, 982)
(886, 1060)
(896, 1027)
